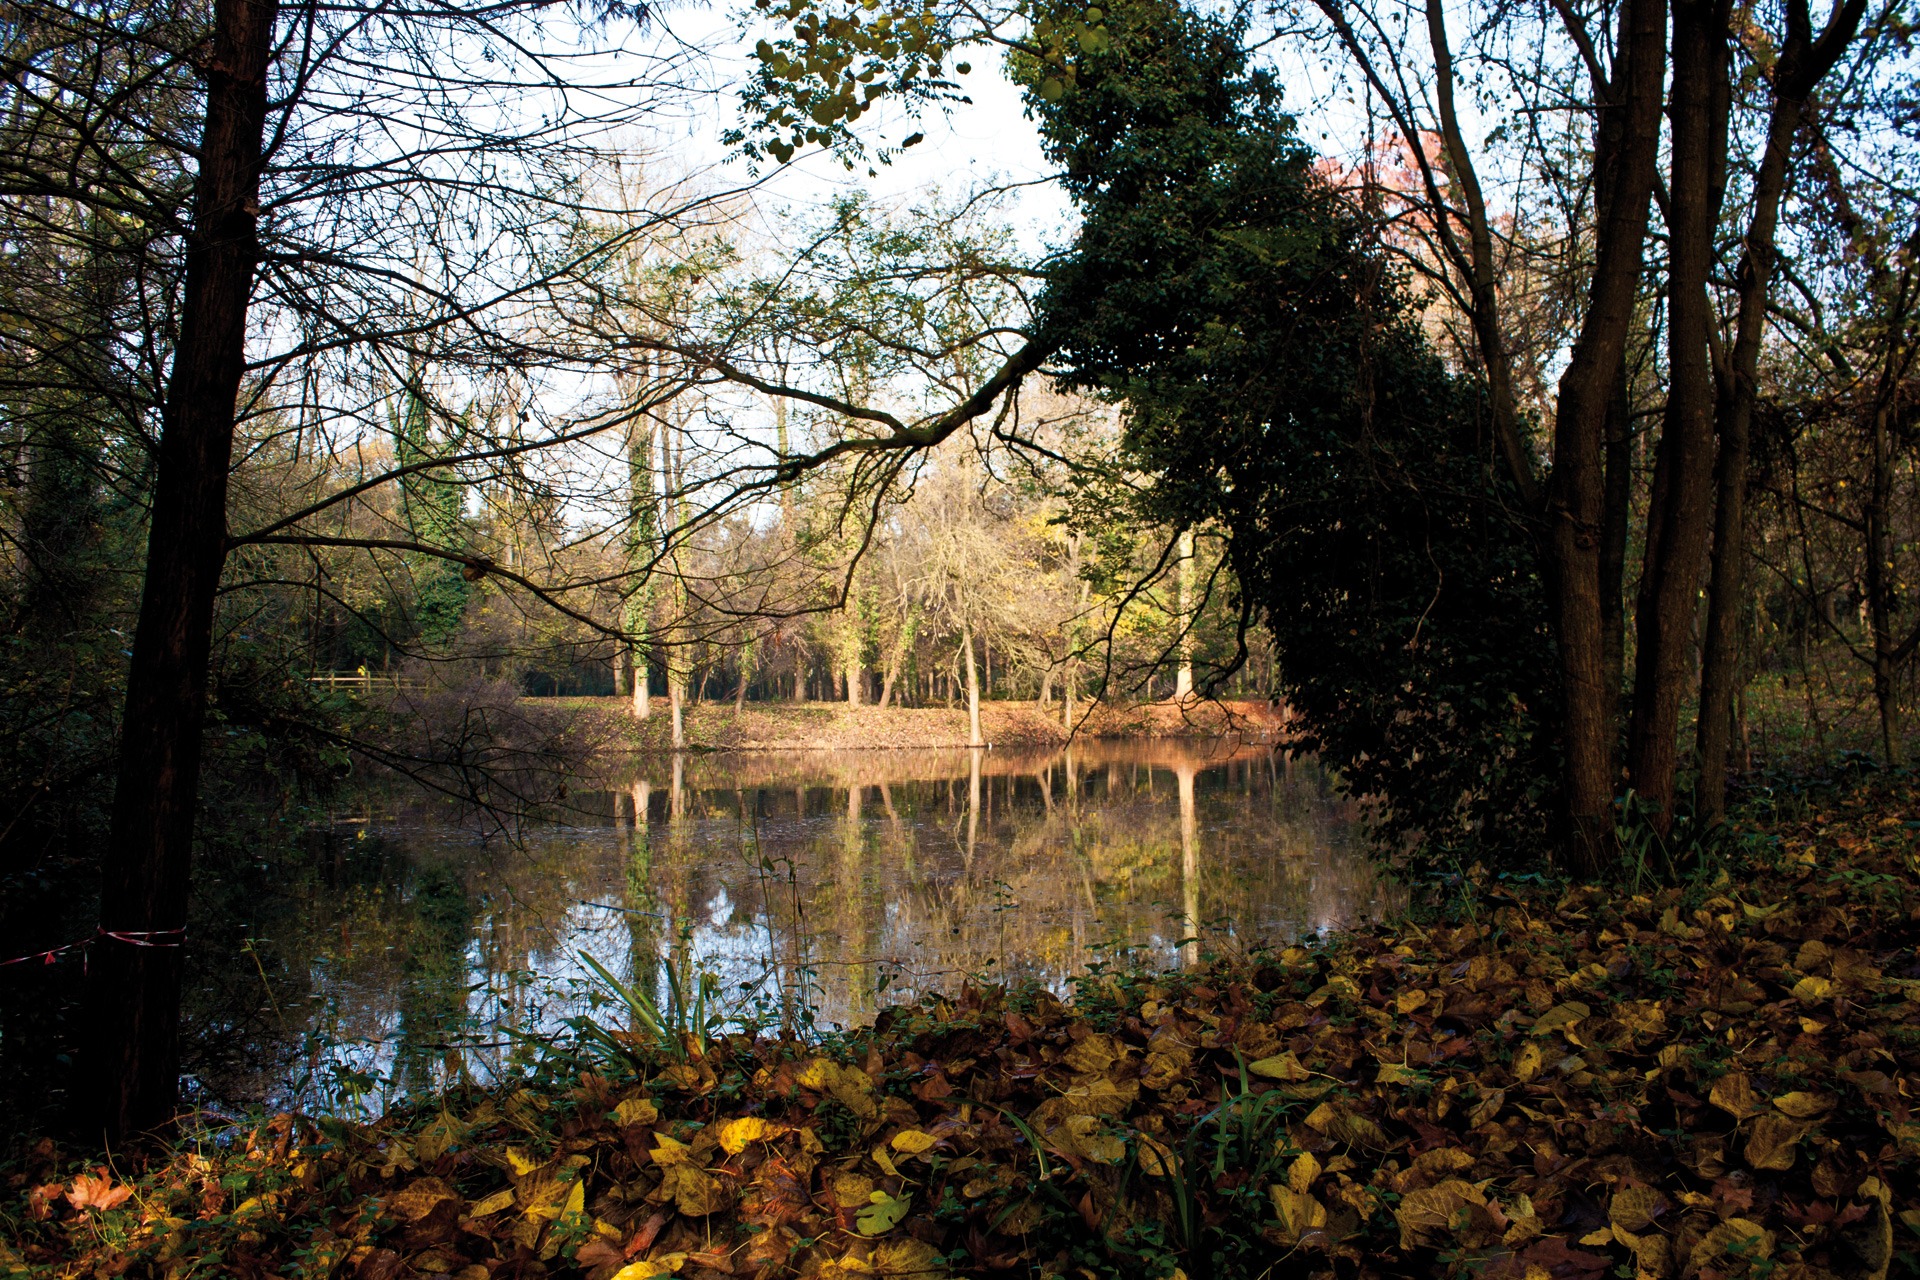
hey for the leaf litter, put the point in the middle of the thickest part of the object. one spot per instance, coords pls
(1710, 1081)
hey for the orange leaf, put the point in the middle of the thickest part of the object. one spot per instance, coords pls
(96, 1191)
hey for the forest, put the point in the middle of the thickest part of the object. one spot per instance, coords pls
(1510, 411)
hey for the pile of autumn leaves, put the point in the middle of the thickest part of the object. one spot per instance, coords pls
(1706, 1083)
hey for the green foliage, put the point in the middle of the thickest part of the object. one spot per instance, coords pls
(811, 85)
(1277, 384)
(431, 502)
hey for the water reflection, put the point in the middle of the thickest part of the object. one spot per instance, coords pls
(810, 883)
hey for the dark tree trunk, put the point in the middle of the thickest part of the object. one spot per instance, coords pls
(133, 991)
(1613, 550)
(1624, 161)
(1680, 511)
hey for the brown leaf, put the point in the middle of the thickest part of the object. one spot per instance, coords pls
(1635, 1208)
(380, 1264)
(419, 1198)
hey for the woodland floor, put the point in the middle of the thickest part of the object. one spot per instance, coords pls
(1712, 1078)
(835, 726)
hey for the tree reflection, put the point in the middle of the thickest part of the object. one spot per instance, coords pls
(811, 876)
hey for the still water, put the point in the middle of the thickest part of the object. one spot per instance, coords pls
(407, 946)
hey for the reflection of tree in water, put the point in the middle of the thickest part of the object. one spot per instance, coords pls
(919, 870)
(1041, 873)
(433, 986)
(642, 906)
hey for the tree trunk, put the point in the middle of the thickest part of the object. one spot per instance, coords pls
(908, 627)
(1679, 511)
(1803, 62)
(1183, 680)
(134, 968)
(1616, 526)
(1880, 579)
(973, 691)
(1480, 270)
(1629, 140)
(676, 699)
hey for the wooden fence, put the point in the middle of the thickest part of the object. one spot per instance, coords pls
(364, 682)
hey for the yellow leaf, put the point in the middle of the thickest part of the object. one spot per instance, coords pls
(1282, 1067)
(1523, 1222)
(520, 1163)
(1654, 1254)
(1302, 1172)
(1603, 1236)
(1298, 1212)
(1733, 1094)
(635, 1111)
(1344, 1125)
(851, 1087)
(1810, 990)
(1425, 1216)
(494, 1203)
(670, 1151)
(1671, 925)
(1527, 1064)
(1770, 1143)
(913, 1141)
(882, 1214)
(908, 1257)
(1093, 1053)
(736, 1135)
(851, 1190)
(1560, 1018)
(694, 1191)
(1408, 1001)
(551, 1203)
(1088, 1138)
(664, 1266)
(1736, 1236)
(1156, 1159)
(1395, 1073)
(1803, 1106)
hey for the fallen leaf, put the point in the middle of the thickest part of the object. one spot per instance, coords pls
(882, 1214)
(96, 1191)
(1771, 1142)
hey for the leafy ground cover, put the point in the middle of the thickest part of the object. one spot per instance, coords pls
(1713, 1079)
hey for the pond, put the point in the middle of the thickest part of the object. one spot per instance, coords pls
(403, 948)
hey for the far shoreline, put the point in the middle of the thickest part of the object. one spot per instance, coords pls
(838, 726)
